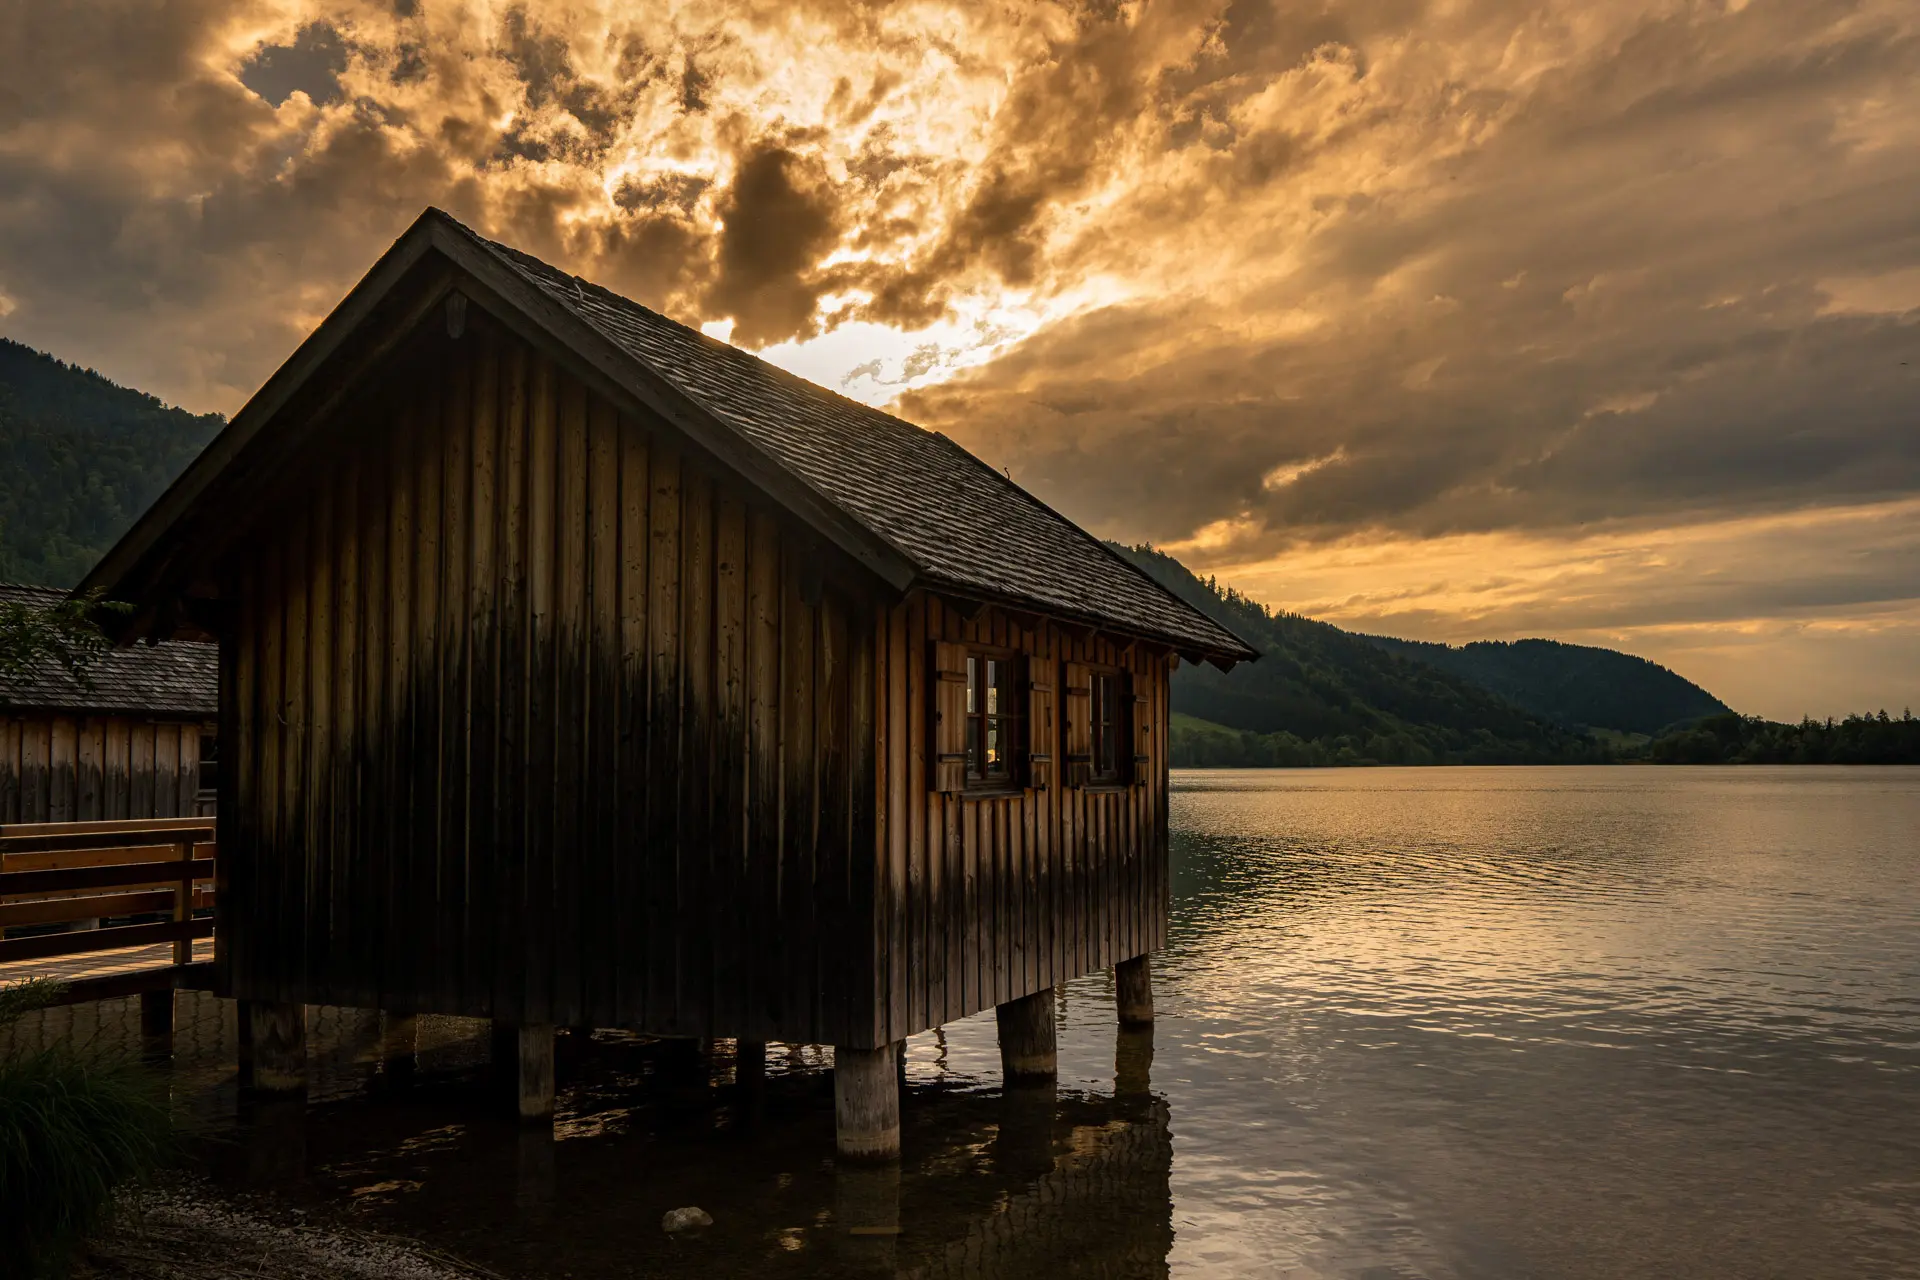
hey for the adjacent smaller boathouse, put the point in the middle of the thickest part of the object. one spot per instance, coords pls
(135, 739)
(577, 669)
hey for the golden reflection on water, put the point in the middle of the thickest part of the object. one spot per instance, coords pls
(1438, 1023)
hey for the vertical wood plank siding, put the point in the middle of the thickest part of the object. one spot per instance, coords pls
(985, 899)
(60, 767)
(532, 716)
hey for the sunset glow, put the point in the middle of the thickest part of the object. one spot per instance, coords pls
(1446, 320)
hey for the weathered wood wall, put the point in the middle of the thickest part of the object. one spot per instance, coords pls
(985, 899)
(529, 715)
(58, 767)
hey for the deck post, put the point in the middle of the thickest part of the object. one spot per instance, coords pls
(866, 1102)
(156, 1023)
(1027, 1048)
(277, 1035)
(535, 1090)
(1133, 992)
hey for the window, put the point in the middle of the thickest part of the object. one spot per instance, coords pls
(1109, 732)
(993, 720)
(209, 765)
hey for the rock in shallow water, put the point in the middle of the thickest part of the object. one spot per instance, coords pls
(688, 1219)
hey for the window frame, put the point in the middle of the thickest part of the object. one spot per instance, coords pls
(1011, 718)
(1118, 767)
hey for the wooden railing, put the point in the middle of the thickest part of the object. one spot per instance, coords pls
(68, 872)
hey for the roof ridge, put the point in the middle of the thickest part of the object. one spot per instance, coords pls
(876, 468)
(717, 344)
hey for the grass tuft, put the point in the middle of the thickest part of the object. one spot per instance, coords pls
(74, 1126)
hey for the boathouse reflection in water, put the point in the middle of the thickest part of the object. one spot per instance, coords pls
(1023, 1181)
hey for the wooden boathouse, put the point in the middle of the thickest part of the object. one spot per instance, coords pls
(578, 669)
(133, 740)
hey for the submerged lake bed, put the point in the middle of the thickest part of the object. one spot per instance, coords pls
(1501, 1022)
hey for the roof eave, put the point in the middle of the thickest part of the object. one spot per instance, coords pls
(136, 549)
(1223, 656)
(137, 563)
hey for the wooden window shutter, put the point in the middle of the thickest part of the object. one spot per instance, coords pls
(1043, 735)
(947, 718)
(1078, 719)
(1140, 730)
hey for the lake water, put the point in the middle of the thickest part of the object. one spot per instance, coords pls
(1412, 1023)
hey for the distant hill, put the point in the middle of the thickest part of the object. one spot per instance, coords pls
(1320, 695)
(1575, 685)
(80, 459)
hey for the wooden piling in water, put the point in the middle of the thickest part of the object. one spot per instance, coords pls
(1027, 1047)
(277, 1034)
(866, 1103)
(749, 1065)
(1133, 992)
(535, 1055)
(399, 1042)
(156, 1023)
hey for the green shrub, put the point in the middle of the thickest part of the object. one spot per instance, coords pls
(74, 1126)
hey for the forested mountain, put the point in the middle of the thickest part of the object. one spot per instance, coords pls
(1320, 695)
(80, 458)
(1572, 684)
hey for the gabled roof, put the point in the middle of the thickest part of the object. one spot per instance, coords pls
(176, 678)
(912, 505)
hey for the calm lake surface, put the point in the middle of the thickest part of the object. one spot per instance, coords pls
(1412, 1023)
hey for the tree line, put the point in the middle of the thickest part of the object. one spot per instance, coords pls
(1737, 739)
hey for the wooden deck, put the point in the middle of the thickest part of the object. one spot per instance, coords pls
(63, 873)
(97, 965)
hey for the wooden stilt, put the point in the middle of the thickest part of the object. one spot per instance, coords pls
(536, 1072)
(684, 1063)
(156, 1023)
(279, 1043)
(1027, 1050)
(750, 1080)
(504, 1048)
(243, 1040)
(866, 1103)
(749, 1064)
(399, 1041)
(1133, 992)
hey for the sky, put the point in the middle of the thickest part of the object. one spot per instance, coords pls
(1453, 320)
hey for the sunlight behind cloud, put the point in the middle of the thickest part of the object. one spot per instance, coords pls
(1402, 296)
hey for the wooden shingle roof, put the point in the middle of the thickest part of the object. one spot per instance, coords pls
(175, 678)
(909, 504)
(962, 524)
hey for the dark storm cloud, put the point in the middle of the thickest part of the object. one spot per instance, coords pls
(1295, 278)
(1617, 304)
(780, 219)
(311, 65)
